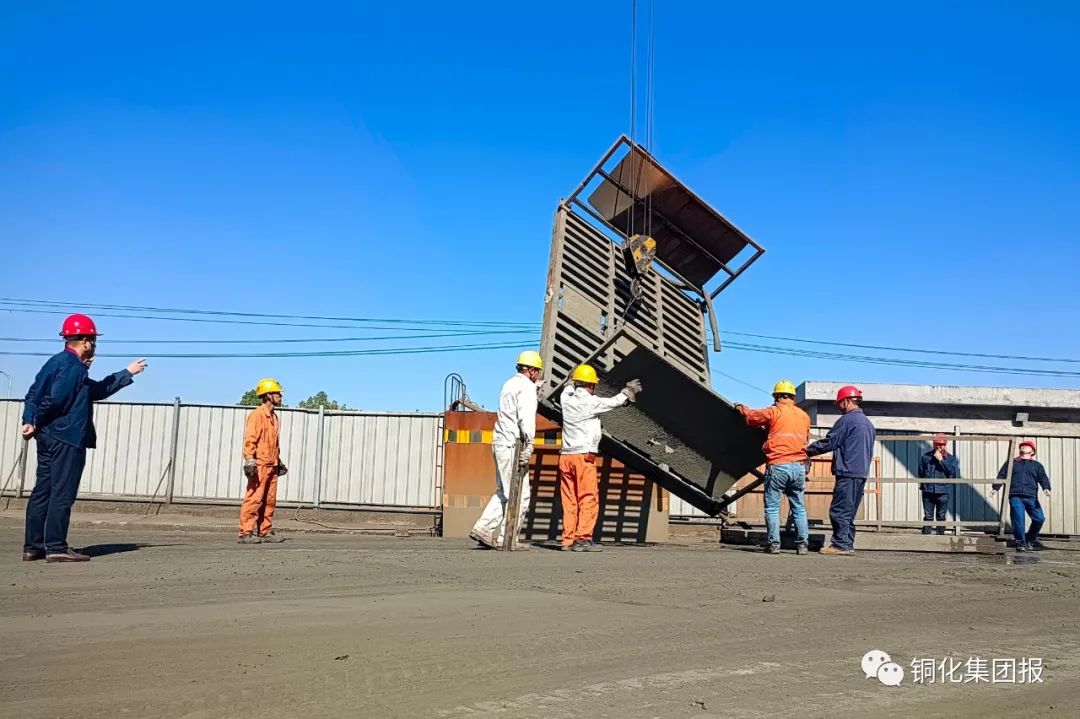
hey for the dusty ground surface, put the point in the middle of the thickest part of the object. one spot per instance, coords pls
(168, 624)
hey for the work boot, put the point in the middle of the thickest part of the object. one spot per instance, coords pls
(772, 549)
(69, 555)
(249, 539)
(831, 551)
(1022, 548)
(1036, 546)
(34, 555)
(485, 540)
(271, 538)
(586, 545)
(802, 549)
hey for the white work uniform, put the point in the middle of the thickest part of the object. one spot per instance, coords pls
(516, 419)
(581, 412)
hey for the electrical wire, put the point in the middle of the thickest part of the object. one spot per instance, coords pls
(742, 382)
(222, 321)
(391, 351)
(139, 308)
(285, 340)
(490, 328)
(905, 349)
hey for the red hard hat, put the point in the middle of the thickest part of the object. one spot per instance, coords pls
(1029, 443)
(79, 326)
(846, 392)
(940, 439)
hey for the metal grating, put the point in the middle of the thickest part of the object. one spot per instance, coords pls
(588, 295)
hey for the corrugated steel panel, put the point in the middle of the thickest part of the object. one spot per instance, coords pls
(11, 443)
(983, 459)
(381, 459)
(209, 455)
(133, 450)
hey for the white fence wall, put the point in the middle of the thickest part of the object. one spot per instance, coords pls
(381, 459)
(376, 460)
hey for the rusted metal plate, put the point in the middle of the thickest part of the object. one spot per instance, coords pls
(631, 192)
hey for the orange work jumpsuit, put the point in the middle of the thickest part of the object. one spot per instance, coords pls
(261, 443)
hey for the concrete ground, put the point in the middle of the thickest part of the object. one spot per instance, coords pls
(168, 623)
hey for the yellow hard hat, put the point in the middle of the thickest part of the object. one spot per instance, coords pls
(585, 373)
(528, 358)
(784, 386)
(266, 386)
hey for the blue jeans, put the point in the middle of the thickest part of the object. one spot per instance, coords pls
(935, 503)
(788, 480)
(1028, 505)
(846, 498)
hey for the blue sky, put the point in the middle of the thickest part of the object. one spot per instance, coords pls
(913, 172)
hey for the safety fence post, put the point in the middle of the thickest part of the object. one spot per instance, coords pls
(172, 452)
(319, 435)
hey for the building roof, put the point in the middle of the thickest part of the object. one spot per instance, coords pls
(819, 390)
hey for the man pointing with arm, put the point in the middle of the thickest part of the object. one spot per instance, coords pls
(59, 413)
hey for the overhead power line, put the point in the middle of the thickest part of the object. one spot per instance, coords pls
(328, 353)
(223, 313)
(480, 329)
(914, 350)
(402, 325)
(285, 340)
(224, 321)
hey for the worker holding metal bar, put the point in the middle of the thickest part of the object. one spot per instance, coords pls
(262, 466)
(581, 432)
(515, 425)
(1028, 476)
(938, 463)
(851, 441)
(59, 414)
(788, 429)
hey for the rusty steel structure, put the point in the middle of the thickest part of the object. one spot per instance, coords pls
(637, 261)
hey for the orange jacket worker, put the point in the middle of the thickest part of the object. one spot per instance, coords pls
(262, 466)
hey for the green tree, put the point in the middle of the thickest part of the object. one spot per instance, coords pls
(321, 400)
(250, 399)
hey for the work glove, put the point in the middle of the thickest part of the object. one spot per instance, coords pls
(631, 389)
(251, 471)
(282, 470)
(523, 460)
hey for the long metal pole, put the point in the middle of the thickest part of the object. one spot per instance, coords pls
(170, 487)
(22, 468)
(513, 501)
(1005, 489)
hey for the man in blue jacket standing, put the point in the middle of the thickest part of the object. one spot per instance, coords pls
(937, 464)
(1028, 475)
(851, 441)
(59, 414)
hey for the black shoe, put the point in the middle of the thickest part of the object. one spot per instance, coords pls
(1022, 548)
(802, 549)
(1036, 546)
(772, 549)
(33, 555)
(586, 546)
(248, 539)
(70, 555)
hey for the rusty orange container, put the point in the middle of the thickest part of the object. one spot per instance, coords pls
(632, 508)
